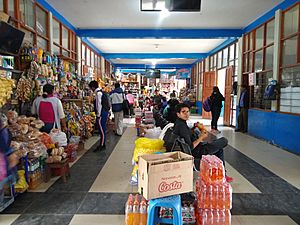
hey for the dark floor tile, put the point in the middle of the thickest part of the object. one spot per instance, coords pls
(255, 204)
(56, 203)
(29, 219)
(295, 217)
(289, 202)
(21, 203)
(103, 203)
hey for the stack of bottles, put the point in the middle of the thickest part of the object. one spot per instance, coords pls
(214, 194)
(148, 117)
(136, 210)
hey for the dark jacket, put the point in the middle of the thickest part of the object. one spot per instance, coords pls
(246, 99)
(182, 130)
(216, 100)
(117, 97)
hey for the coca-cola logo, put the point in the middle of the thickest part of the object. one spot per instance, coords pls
(165, 187)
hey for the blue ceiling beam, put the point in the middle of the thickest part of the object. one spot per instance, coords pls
(157, 66)
(229, 41)
(159, 33)
(154, 55)
(269, 15)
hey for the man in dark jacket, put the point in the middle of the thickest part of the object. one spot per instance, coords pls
(196, 143)
(117, 98)
(216, 107)
(243, 110)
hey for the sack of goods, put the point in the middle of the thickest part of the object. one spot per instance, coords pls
(59, 137)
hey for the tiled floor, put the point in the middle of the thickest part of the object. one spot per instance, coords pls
(266, 185)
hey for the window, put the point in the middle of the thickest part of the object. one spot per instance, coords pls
(11, 8)
(225, 57)
(258, 59)
(262, 80)
(27, 13)
(1, 5)
(42, 21)
(290, 61)
(56, 32)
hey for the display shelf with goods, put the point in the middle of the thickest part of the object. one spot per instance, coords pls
(6, 193)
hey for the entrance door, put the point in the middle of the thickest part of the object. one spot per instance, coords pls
(227, 96)
(209, 81)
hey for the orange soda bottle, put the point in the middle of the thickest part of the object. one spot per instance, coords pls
(136, 210)
(143, 212)
(128, 211)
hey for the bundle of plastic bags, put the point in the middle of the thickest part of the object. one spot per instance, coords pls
(144, 146)
(59, 137)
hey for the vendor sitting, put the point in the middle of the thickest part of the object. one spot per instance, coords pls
(196, 143)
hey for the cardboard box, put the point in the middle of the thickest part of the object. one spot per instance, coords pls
(4, 17)
(162, 175)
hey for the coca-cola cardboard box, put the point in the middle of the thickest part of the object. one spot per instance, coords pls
(162, 175)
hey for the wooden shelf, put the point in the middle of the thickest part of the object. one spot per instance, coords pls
(67, 58)
(8, 54)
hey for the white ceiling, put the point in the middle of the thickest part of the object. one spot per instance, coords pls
(126, 14)
(151, 61)
(156, 45)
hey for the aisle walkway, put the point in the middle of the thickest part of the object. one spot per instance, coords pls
(266, 186)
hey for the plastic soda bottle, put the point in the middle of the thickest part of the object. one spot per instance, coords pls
(221, 199)
(228, 196)
(129, 211)
(227, 217)
(136, 211)
(143, 212)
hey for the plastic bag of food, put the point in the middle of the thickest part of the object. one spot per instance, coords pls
(147, 146)
(153, 133)
(59, 137)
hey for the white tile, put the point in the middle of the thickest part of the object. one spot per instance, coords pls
(8, 219)
(262, 220)
(116, 173)
(98, 220)
(240, 184)
(281, 162)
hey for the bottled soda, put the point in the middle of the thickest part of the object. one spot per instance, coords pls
(143, 212)
(136, 211)
(228, 196)
(129, 211)
(227, 217)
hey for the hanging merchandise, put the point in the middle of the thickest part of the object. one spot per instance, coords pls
(24, 89)
(6, 87)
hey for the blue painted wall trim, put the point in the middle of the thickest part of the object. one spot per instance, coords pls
(154, 55)
(229, 41)
(277, 128)
(157, 66)
(56, 14)
(159, 33)
(285, 4)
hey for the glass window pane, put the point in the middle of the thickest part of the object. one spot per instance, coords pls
(56, 32)
(225, 57)
(291, 18)
(290, 90)
(42, 43)
(83, 52)
(11, 7)
(251, 40)
(1, 5)
(270, 32)
(65, 37)
(258, 61)
(262, 80)
(269, 57)
(41, 23)
(92, 59)
(246, 42)
(231, 52)
(259, 37)
(215, 61)
(289, 51)
(88, 57)
(27, 13)
(246, 62)
(56, 50)
(219, 59)
(28, 38)
(250, 62)
(65, 52)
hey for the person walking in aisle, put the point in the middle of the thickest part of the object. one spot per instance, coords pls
(117, 97)
(101, 108)
(216, 106)
(50, 110)
(130, 98)
(243, 110)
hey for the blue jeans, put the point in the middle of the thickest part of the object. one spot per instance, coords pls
(102, 126)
